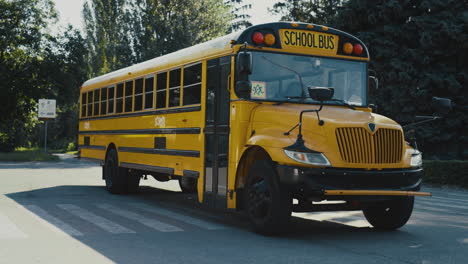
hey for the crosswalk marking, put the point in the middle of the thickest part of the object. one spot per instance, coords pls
(179, 217)
(9, 230)
(53, 220)
(150, 222)
(99, 221)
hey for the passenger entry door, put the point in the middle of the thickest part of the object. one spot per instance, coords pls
(217, 132)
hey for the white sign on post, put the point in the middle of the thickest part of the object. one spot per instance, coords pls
(46, 108)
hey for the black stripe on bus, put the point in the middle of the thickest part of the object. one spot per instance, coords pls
(164, 170)
(191, 174)
(183, 130)
(147, 113)
(172, 152)
(96, 147)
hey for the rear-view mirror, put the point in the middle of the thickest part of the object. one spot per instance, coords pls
(321, 93)
(243, 89)
(441, 105)
(244, 63)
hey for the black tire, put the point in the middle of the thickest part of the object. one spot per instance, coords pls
(115, 176)
(391, 214)
(267, 203)
(188, 185)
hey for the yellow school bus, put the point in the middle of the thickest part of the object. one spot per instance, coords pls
(270, 120)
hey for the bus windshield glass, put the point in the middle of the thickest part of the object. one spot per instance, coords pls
(285, 78)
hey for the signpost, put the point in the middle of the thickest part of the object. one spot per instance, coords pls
(46, 111)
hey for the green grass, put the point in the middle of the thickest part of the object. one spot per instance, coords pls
(23, 154)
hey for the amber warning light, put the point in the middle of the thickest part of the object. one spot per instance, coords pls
(355, 49)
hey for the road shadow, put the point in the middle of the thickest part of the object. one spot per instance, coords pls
(70, 163)
(236, 240)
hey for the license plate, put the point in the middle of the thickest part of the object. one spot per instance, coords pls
(309, 41)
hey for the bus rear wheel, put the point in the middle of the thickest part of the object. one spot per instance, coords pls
(391, 214)
(267, 203)
(114, 175)
(188, 185)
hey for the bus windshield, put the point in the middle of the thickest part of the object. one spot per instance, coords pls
(285, 78)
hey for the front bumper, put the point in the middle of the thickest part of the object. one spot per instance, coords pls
(320, 179)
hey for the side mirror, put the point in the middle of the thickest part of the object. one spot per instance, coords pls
(244, 63)
(243, 89)
(373, 80)
(321, 93)
(441, 105)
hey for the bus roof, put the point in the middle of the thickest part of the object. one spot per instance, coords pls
(222, 45)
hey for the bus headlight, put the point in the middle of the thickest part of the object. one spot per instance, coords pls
(416, 159)
(316, 158)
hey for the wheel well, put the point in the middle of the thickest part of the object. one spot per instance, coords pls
(250, 155)
(111, 146)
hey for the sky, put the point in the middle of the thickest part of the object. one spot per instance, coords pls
(70, 11)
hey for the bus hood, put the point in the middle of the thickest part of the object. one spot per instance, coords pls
(269, 123)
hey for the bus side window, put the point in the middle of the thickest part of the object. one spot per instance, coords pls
(149, 91)
(96, 102)
(128, 96)
(138, 94)
(90, 103)
(174, 88)
(192, 84)
(161, 90)
(83, 105)
(110, 103)
(119, 99)
(103, 101)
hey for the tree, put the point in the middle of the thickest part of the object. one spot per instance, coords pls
(107, 35)
(22, 25)
(161, 27)
(240, 19)
(122, 32)
(309, 11)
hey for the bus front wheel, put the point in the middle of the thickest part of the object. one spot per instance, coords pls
(268, 204)
(114, 175)
(391, 214)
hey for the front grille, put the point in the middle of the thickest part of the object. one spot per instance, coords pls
(358, 145)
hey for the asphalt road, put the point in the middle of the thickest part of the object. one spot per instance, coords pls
(59, 212)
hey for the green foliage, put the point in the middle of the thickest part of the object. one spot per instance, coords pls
(454, 172)
(22, 24)
(240, 19)
(27, 155)
(122, 32)
(311, 11)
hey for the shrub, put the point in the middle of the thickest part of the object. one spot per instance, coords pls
(452, 172)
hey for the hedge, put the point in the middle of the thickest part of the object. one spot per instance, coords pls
(450, 172)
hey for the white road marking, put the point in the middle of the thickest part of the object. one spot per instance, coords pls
(150, 222)
(180, 217)
(429, 203)
(446, 199)
(53, 220)
(357, 223)
(326, 215)
(99, 221)
(9, 230)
